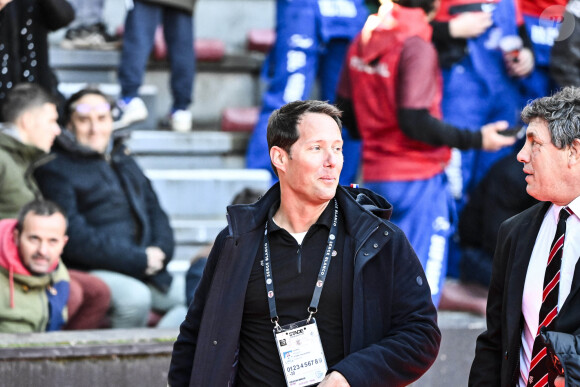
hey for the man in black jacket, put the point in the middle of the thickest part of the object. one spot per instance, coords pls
(117, 229)
(527, 292)
(317, 264)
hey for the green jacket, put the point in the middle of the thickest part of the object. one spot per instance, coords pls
(17, 185)
(31, 312)
(28, 302)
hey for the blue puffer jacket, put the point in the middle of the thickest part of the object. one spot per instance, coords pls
(112, 210)
(390, 328)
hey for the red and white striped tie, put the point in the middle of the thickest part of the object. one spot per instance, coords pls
(540, 373)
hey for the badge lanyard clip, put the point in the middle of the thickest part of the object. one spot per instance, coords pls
(313, 308)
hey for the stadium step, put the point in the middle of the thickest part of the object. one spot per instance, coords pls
(236, 119)
(232, 80)
(209, 149)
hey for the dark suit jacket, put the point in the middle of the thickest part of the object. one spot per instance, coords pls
(497, 351)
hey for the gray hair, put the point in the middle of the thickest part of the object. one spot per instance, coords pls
(562, 113)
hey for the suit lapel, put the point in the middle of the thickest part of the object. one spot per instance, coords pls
(524, 245)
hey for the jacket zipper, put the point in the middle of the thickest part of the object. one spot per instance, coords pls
(299, 252)
(45, 318)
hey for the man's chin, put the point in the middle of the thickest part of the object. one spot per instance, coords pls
(39, 271)
(328, 193)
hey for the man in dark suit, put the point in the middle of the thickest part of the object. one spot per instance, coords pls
(507, 353)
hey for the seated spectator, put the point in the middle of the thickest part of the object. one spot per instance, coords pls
(24, 143)
(30, 269)
(28, 133)
(195, 271)
(118, 230)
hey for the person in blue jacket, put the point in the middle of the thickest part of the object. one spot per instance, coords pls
(312, 37)
(313, 255)
(480, 83)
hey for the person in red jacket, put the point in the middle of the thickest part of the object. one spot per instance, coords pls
(390, 91)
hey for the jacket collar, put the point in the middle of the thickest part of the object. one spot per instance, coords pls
(66, 143)
(359, 206)
(10, 141)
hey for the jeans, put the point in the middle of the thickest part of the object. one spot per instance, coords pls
(140, 26)
(88, 301)
(131, 299)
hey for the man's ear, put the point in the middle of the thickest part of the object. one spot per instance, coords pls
(574, 153)
(24, 123)
(278, 156)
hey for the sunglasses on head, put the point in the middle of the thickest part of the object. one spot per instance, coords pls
(85, 108)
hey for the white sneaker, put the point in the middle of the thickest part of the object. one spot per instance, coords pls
(132, 112)
(181, 121)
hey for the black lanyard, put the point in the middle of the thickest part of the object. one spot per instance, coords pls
(313, 308)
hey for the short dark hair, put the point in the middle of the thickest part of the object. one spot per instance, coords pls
(426, 5)
(562, 113)
(283, 123)
(68, 106)
(23, 97)
(39, 207)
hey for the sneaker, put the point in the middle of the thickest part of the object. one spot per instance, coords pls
(130, 113)
(181, 121)
(91, 37)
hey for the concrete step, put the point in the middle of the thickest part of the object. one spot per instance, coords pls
(120, 357)
(196, 201)
(197, 231)
(232, 81)
(230, 20)
(204, 149)
(190, 236)
(227, 20)
(181, 259)
(230, 161)
(206, 143)
(203, 193)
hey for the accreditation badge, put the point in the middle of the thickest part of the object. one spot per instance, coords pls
(301, 353)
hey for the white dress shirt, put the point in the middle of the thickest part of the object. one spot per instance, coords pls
(534, 285)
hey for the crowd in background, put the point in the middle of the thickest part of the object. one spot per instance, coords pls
(437, 136)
